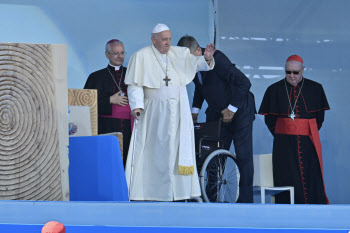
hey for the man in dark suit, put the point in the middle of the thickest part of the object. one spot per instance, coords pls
(226, 90)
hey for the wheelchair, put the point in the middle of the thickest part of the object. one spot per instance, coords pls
(217, 168)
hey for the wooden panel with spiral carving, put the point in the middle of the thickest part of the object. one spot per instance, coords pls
(33, 122)
(85, 97)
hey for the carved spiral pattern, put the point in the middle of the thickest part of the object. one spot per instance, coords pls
(85, 98)
(29, 156)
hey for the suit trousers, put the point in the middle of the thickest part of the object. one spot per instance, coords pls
(243, 143)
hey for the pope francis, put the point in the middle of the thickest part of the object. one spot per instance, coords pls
(161, 162)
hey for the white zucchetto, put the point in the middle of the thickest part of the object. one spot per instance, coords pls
(160, 27)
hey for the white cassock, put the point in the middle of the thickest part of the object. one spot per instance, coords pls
(163, 138)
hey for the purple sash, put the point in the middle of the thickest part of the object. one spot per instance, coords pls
(121, 112)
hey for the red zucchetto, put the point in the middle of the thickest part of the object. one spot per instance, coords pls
(295, 58)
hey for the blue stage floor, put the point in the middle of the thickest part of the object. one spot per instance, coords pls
(30, 216)
(111, 229)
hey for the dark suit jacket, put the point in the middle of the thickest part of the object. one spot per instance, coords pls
(225, 85)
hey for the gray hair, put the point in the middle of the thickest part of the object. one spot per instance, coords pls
(189, 42)
(301, 67)
(154, 35)
(113, 42)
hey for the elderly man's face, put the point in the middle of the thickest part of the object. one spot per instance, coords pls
(116, 55)
(162, 41)
(294, 72)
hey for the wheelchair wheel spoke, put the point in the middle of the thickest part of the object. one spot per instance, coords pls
(221, 178)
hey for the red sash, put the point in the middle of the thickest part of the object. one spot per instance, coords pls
(306, 127)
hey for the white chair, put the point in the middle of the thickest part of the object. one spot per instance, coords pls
(263, 178)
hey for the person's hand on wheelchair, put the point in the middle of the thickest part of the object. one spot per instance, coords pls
(227, 115)
(195, 117)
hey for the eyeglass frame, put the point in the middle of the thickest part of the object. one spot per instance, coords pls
(117, 54)
(294, 72)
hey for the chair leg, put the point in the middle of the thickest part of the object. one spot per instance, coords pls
(291, 195)
(262, 195)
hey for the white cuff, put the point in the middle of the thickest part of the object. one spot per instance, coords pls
(211, 63)
(195, 110)
(232, 108)
(135, 97)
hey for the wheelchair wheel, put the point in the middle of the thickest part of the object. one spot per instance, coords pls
(219, 177)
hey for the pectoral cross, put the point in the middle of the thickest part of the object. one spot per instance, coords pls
(166, 79)
(292, 116)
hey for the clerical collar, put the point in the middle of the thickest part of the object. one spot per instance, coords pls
(115, 67)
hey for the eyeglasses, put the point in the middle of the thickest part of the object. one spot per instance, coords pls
(118, 54)
(294, 72)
